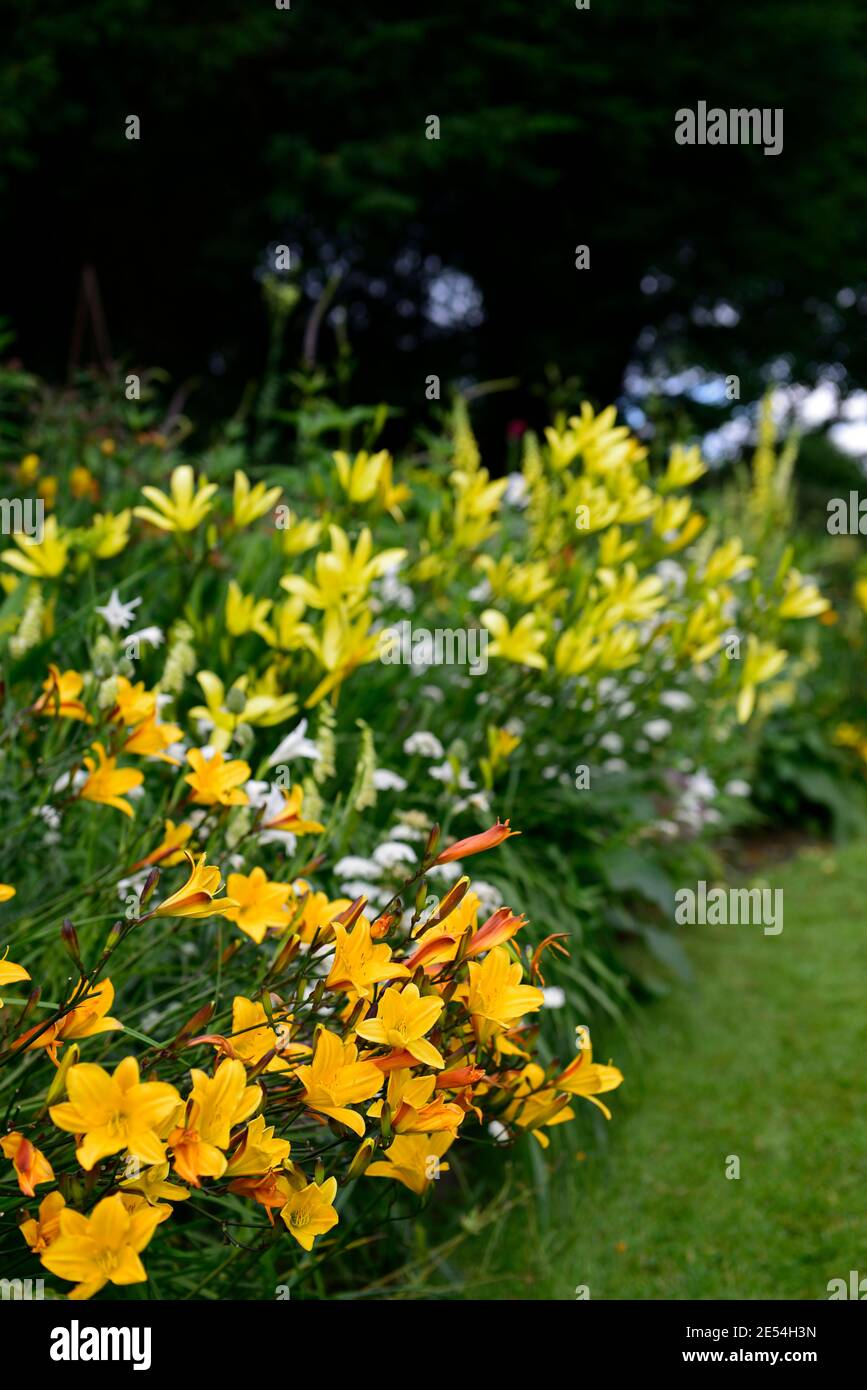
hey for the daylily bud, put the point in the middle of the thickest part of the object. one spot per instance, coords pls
(363, 1155)
(58, 1081)
(200, 1019)
(421, 895)
(70, 940)
(150, 884)
(433, 840)
(319, 1172)
(385, 1123)
(474, 844)
(236, 701)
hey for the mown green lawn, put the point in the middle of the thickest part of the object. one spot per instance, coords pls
(765, 1058)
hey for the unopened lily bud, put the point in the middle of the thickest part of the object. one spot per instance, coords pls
(421, 895)
(236, 701)
(433, 840)
(58, 1081)
(200, 1019)
(363, 1155)
(150, 884)
(69, 938)
(385, 1123)
(319, 1172)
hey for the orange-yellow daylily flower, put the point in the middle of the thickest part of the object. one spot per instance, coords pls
(62, 690)
(402, 1019)
(198, 896)
(216, 782)
(151, 739)
(30, 1164)
(171, 849)
(107, 783)
(85, 1020)
(153, 1184)
(42, 1231)
(414, 1106)
(587, 1078)
(359, 964)
(335, 1079)
(216, 1104)
(10, 973)
(310, 1212)
(259, 903)
(134, 704)
(117, 1112)
(6, 892)
(414, 1160)
(258, 1151)
(289, 817)
(102, 1248)
(252, 1036)
(495, 996)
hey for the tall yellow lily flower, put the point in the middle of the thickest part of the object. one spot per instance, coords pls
(185, 508)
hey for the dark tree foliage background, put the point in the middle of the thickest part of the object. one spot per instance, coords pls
(307, 126)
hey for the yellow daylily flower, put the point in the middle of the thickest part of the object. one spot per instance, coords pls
(259, 903)
(252, 1036)
(248, 504)
(310, 1212)
(286, 631)
(728, 561)
(45, 559)
(170, 850)
(685, 466)
(107, 534)
(289, 817)
(7, 892)
(536, 1106)
(762, 662)
(60, 699)
(359, 477)
(154, 1186)
(84, 1021)
(258, 1151)
(300, 535)
(495, 996)
(343, 575)
(359, 963)
(624, 597)
(216, 1105)
(104, 1247)
(335, 1079)
(151, 739)
(198, 896)
(44, 1229)
(262, 706)
(342, 646)
(402, 1019)
(187, 506)
(115, 1113)
(216, 782)
(802, 598)
(107, 783)
(520, 643)
(414, 1160)
(10, 973)
(246, 613)
(587, 1078)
